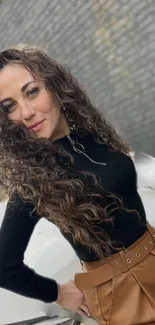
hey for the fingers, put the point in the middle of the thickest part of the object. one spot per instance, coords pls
(85, 309)
(82, 313)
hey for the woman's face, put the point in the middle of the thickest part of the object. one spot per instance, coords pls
(26, 100)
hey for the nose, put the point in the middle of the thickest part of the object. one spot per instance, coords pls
(27, 110)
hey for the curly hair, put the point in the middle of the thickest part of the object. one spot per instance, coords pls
(43, 173)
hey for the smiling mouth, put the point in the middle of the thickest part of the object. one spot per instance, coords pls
(37, 127)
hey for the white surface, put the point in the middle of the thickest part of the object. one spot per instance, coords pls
(145, 166)
(2, 210)
(148, 198)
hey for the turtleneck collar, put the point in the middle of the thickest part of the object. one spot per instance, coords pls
(73, 134)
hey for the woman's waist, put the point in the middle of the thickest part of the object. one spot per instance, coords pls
(121, 238)
(103, 270)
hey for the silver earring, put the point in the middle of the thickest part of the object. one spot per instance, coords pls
(73, 126)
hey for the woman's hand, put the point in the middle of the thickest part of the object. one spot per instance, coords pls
(69, 297)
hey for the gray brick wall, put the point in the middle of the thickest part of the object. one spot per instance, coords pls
(109, 46)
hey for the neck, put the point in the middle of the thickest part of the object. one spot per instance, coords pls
(63, 129)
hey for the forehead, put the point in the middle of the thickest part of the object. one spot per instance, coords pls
(12, 78)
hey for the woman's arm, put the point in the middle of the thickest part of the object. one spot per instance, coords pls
(15, 232)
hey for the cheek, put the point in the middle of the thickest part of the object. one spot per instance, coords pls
(15, 116)
(46, 104)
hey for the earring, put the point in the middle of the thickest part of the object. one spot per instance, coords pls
(73, 126)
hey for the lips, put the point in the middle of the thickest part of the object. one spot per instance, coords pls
(36, 126)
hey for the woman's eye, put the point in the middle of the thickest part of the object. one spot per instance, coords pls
(33, 92)
(9, 108)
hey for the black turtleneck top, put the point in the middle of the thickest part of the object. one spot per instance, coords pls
(117, 176)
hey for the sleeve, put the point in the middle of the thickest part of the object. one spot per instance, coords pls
(15, 232)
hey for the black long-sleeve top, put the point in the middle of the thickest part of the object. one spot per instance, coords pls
(118, 176)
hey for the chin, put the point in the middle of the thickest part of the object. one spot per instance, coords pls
(47, 133)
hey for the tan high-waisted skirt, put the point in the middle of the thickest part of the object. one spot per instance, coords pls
(120, 290)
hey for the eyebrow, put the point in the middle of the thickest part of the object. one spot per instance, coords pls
(22, 90)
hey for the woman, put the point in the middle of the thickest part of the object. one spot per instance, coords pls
(61, 160)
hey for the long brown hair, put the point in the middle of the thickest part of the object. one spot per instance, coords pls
(43, 173)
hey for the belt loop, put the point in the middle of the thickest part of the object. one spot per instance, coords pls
(124, 266)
